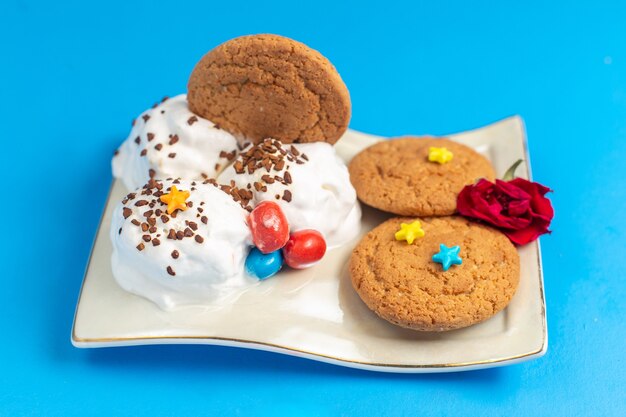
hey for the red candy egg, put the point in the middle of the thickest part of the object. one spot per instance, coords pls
(269, 227)
(304, 248)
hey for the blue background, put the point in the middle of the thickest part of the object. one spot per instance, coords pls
(72, 76)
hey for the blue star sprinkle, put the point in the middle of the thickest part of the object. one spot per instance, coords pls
(448, 256)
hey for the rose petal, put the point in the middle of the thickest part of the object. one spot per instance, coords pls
(542, 207)
(518, 207)
(512, 191)
(530, 187)
(526, 235)
(515, 223)
(471, 203)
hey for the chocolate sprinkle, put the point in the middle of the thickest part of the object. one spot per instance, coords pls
(146, 238)
(228, 155)
(170, 271)
(140, 247)
(287, 196)
(126, 212)
(204, 219)
(144, 152)
(150, 136)
(265, 155)
(192, 120)
(175, 254)
(156, 242)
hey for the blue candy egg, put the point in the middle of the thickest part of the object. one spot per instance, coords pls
(264, 265)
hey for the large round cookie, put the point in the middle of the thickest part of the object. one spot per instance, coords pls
(263, 86)
(396, 176)
(402, 284)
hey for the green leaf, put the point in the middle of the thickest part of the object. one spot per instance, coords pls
(510, 173)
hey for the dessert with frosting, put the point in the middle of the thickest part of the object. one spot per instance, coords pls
(169, 140)
(308, 181)
(210, 213)
(179, 242)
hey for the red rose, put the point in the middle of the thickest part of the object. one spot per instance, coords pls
(518, 207)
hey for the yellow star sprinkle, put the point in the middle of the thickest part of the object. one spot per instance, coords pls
(175, 200)
(410, 232)
(441, 155)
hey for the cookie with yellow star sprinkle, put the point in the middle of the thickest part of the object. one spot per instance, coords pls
(453, 274)
(413, 176)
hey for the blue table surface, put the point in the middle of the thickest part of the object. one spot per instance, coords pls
(72, 76)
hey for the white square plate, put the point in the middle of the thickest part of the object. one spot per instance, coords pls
(315, 313)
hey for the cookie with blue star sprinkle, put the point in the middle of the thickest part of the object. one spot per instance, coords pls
(457, 274)
(448, 256)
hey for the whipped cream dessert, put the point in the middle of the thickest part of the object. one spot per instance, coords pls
(193, 231)
(308, 181)
(169, 140)
(193, 254)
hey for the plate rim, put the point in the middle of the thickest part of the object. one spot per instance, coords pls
(88, 342)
